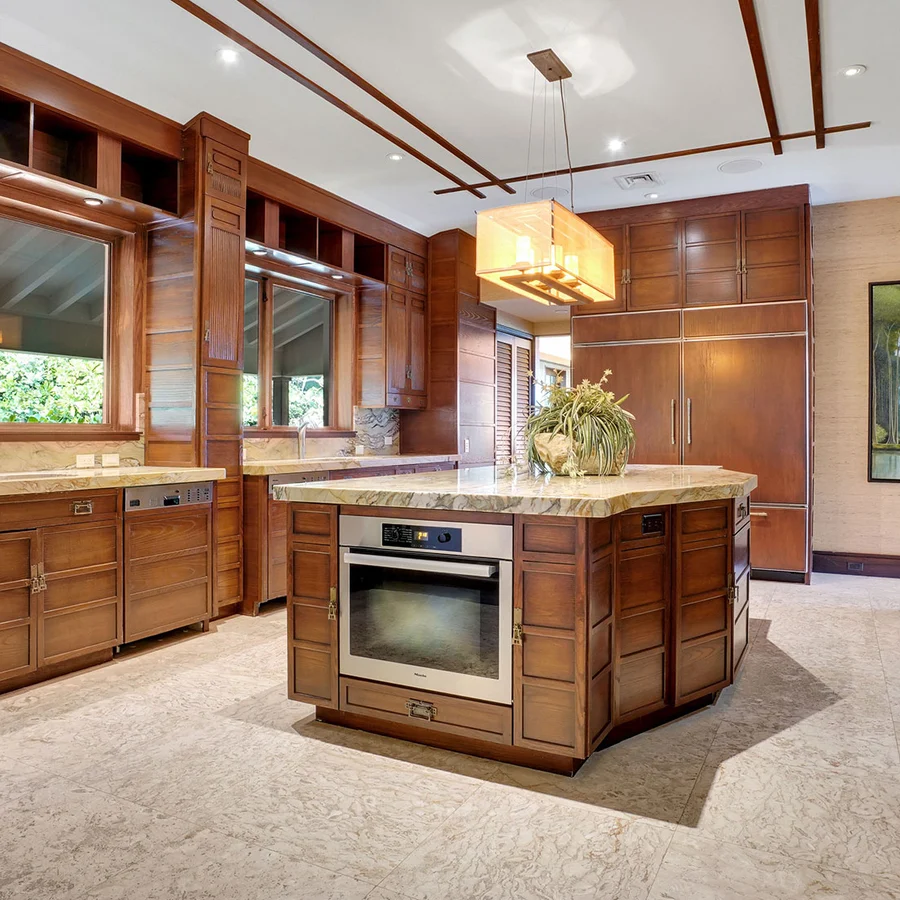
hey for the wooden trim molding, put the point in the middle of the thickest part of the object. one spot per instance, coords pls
(815, 69)
(283, 187)
(34, 80)
(279, 64)
(655, 157)
(757, 54)
(877, 565)
(324, 56)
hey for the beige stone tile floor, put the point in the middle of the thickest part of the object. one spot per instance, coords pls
(180, 770)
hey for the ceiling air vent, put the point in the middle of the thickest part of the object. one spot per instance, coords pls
(640, 180)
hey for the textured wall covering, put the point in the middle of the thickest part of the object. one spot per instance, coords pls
(854, 243)
(25, 456)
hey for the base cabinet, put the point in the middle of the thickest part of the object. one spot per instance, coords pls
(620, 624)
(61, 582)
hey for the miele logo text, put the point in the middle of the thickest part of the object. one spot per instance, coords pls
(420, 675)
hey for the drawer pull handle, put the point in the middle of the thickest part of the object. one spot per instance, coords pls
(419, 709)
(762, 515)
(83, 508)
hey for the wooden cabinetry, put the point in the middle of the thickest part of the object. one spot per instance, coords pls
(392, 350)
(701, 377)
(60, 579)
(742, 248)
(407, 270)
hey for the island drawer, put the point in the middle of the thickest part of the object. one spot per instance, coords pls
(436, 712)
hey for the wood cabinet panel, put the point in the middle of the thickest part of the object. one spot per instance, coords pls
(87, 587)
(543, 534)
(152, 614)
(80, 631)
(53, 509)
(167, 534)
(723, 380)
(712, 257)
(548, 596)
(616, 235)
(643, 578)
(778, 538)
(222, 285)
(155, 574)
(704, 617)
(418, 345)
(641, 685)
(704, 569)
(705, 668)
(774, 253)
(654, 265)
(551, 658)
(312, 579)
(602, 329)
(548, 718)
(397, 340)
(18, 609)
(650, 375)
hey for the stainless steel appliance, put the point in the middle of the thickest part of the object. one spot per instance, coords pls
(160, 496)
(427, 604)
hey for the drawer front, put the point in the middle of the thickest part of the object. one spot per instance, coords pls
(436, 712)
(778, 538)
(17, 650)
(406, 401)
(159, 574)
(79, 547)
(83, 506)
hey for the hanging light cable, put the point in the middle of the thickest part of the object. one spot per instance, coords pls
(542, 250)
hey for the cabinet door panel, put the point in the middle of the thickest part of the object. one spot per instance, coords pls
(774, 252)
(418, 274)
(712, 252)
(778, 538)
(650, 375)
(223, 285)
(397, 267)
(654, 265)
(397, 341)
(18, 625)
(418, 335)
(749, 411)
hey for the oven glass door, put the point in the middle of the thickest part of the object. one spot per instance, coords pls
(434, 623)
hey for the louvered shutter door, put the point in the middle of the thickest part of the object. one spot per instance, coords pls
(504, 401)
(524, 370)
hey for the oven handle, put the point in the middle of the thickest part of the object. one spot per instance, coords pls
(420, 565)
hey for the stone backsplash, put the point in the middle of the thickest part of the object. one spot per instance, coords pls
(29, 456)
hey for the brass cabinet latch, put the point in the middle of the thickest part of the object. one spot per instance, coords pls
(419, 709)
(517, 626)
(732, 590)
(332, 603)
(35, 581)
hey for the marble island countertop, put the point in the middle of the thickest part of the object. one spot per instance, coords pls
(335, 463)
(49, 481)
(490, 489)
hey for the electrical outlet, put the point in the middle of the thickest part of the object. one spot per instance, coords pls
(360, 450)
(110, 460)
(84, 460)
(388, 440)
(466, 445)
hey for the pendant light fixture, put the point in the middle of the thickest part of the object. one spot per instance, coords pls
(541, 249)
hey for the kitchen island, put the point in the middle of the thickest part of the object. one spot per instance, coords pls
(524, 618)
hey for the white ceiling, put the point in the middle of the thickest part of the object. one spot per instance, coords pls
(662, 76)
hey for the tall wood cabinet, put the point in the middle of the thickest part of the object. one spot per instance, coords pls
(711, 340)
(194, 331)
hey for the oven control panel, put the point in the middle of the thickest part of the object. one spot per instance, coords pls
(421, 537)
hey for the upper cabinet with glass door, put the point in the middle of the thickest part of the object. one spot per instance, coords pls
(287, 356)
(53, 325)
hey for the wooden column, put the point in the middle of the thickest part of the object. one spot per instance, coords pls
(194, 327)
(461, 414)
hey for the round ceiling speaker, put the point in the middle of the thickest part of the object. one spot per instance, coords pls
(740, 166)
(549, 192)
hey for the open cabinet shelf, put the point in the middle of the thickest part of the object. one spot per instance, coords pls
(15, 128)
(64, 148)
(150, 178)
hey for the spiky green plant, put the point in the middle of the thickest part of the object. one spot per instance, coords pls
(592, 420)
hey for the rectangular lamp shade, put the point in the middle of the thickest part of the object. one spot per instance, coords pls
(545, 252)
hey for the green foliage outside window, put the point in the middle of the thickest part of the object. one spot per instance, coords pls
(306, 401)
(38, 388)
(250, 401)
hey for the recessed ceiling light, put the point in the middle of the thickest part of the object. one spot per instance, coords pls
(615, 145)
(228, 55)
(338, 277)
(739, 166)
(853, 71)
(259, 251)
(93, 201)
(652, 196)
(395, 157)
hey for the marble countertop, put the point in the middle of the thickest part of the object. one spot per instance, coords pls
(334, 463)
(49, 481)
(490, 489)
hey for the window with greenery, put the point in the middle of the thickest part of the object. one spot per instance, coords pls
(53, 290)
(287, 348)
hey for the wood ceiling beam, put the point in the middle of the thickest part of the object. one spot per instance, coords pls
(814, 40)
(276, 63)
(754, 40)
(656, 157)
(324, 56)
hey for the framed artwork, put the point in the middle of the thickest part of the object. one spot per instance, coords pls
(884, 381)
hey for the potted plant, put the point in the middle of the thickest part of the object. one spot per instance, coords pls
(583, 430)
